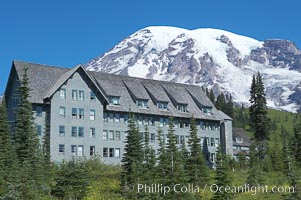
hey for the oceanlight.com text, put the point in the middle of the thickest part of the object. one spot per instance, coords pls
(213, 188)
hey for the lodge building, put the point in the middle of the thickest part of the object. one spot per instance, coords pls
(87, 111)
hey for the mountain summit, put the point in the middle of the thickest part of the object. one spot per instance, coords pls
(213, 58)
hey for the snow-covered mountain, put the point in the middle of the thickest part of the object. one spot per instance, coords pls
(214, 58)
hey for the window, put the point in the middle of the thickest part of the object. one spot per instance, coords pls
(73, 150)
(182, 107)
(92, 96)
(105, 152)
(212, 157)
(142, 103)
(81, 95)
(126, 118)
(202, 125)
(182, 139)
(117, 153)
(153, 137)
(39, 130)
(62, 131)
(140, 120)
(92, 132)
(62, 94)
(92, 114)
(117, 117)
(114, 100)
(125, 136)
(216, 142)
(239, 140)
(92, 150)
(80, 131)
(80, 113)
(212, 142)
(62, 111)
(111, 135)
(61, 149)
(73, 131)
(207, 110)
(105, 117)
(162, 105)
(111, 152)
(117, 136)
(74, 113)
(177, 139)
(39, 111)
(80, 150)
(111, 117)
(105, 135)
(74, 95)
(152, 121)
(161, 122)
(202, 141)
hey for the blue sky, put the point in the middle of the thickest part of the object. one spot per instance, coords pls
(66, 33)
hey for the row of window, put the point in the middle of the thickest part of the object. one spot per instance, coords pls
(77, 95)
(76, 150)
(77, 131)
(164, 121)
(77, 113)
(211, 126)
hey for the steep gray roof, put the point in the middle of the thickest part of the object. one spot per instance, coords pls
(45, 80)
(42, 78)
(240, 133)
(123, 86)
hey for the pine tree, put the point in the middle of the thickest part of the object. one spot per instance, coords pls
(297, 143)
(26, 146)
(175, 172)
(25, 137)
(221, 175)
(229, 110)
(212, 96)
(221, 102)
(71, 181)
(255, 176)
(289, 168)
(5, 150)
(148, 166)
(132, 173)
(259, 122)
(197, 168)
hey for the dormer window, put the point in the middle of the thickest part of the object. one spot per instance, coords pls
(162, 105)
(182, 107)
(239, 140)
(142, 103)
(114, 100)
(207, 110)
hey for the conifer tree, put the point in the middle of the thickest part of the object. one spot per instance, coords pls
(212, 96)
(221, 178)
(175, 172)
(26, 145)
(149, 162)
(221, 102)
(297, 143)
(259, 122)
(255, 176)
(197, 168)
(229, 110)
(6, 155)
(71, 181)
(131, 166)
